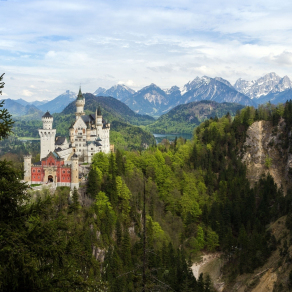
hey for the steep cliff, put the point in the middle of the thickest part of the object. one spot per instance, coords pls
(264, 151)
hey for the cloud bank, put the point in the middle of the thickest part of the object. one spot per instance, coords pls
(47, 47)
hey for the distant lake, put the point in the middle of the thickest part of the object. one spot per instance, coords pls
(171, 137)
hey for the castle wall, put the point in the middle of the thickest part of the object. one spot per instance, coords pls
(27, 168)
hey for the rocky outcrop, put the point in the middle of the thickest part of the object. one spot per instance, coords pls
(263, 153)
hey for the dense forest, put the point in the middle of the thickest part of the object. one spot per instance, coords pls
(151, 213)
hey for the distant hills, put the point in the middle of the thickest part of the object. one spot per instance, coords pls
(185, 117)
(19, 110)
(59, 103)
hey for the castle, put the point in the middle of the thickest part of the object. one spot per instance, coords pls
(59, 159)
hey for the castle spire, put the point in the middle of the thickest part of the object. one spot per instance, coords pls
(99, 111)
(80, 95)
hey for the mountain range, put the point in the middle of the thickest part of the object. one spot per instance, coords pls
(155, 101)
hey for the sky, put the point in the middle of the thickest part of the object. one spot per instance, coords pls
(48, 47)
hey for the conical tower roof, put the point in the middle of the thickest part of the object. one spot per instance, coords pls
(47, 115)
(80, 95)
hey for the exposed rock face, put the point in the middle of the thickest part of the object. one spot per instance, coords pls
(264, 142)
(267, 282)
(98, 253)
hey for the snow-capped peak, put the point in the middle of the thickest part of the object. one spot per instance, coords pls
(270, 82)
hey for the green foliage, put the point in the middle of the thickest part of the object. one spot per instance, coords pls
(75, 205)
(268, 161)
(1, 83)
(6, 122)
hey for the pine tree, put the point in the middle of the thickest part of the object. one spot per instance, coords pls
(75, 201)
(93, 185)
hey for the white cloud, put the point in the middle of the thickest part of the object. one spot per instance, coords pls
(26, 92)
(56, 47)
(283, 59)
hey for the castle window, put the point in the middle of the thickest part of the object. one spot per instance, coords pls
(63, 171)
(68, 171)
(33, 176)
(39, 171)
(33, 170)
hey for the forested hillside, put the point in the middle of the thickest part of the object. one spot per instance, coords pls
(185, 117)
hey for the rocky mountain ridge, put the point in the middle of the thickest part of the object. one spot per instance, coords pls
(153, 100)
(268, 84)
(119, 91)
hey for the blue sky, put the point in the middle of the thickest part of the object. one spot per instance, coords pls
(47, 47)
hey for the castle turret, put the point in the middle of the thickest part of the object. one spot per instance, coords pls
(72, 139)
(80, 103)
(74, 172)
(98, 122)
(47, 135)
(88, 132)
(27, 169)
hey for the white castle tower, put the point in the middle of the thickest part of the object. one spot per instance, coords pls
(47, 135)
(98, 122)
(27, 168)
(74, 172)
(80, 103)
